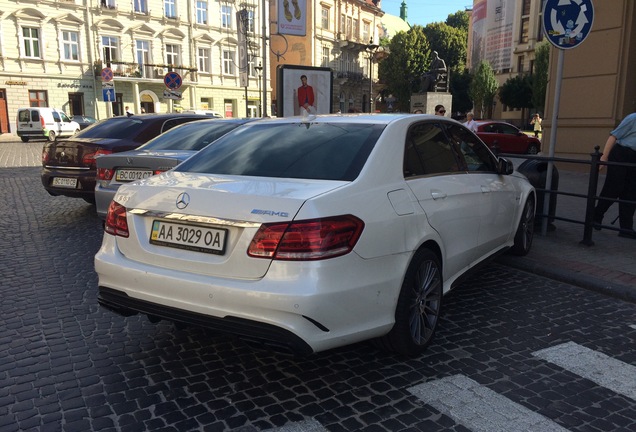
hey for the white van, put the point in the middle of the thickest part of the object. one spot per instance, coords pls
(209, 113)
(38, 123)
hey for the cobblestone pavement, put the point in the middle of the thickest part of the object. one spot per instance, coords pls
(68, 365)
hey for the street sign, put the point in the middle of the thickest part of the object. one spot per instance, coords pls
(171, 94)
(108, 91)
(566, 23)
(172, 80)
(107, 74)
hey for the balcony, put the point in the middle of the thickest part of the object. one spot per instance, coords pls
(147, 71)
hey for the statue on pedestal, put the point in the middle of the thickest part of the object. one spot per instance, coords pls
(437, 71)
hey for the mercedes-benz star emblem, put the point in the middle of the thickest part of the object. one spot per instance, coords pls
(183, 200)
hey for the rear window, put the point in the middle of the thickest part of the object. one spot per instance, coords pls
(191, 136)
(289, 150)
(117, 128)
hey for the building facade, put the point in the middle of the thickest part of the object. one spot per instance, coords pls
(60, 53)
(342, 35)
(596, 89)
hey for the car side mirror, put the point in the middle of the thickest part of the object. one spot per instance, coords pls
(504, 166)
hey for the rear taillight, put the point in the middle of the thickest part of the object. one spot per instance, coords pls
(45, 156)
(157, 172)
(42, 122)
(116, 222)
(89, 158)
(307, 240)
(105, 174)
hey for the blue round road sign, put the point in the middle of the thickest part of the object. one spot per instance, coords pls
(567, 23)
(172, 80)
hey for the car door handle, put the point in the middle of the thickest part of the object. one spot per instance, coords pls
(437, 194)
(485, 189)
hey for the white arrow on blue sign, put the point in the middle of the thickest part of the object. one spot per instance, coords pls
(567, 23)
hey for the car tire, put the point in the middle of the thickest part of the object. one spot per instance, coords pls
(525, 230)
(533, 149)
(52, 136)
(418, 307)
(24, 139)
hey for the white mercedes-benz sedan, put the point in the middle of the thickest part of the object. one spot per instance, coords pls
(312, 233)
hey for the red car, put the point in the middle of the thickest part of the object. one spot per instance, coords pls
(507, 138)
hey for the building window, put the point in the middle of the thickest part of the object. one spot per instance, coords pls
(251, 63)
(520, 61)
(356, 29)
(349, 27)
(203, 60)
(170, 8)
(343, 24)
(324, 13)
(31, 37)
(523, 36)
(143, 57)
(228, 62)
(325, 57)
(172, 54)
(38, 98)
(249, 23)
(108, 4)
(141, 6)
(70, 46)
(110, 49)
(366, 32)
(202, 12)
(226, 16)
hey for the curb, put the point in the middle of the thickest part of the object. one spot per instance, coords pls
(582, 280)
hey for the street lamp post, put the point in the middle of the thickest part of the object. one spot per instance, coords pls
(259, 69)
(371, 49)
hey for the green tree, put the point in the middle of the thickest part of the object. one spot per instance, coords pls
(460, 89)
(408, 58)
(516, 92)
(459, 20)
(540, 75)
(483, 89)
(450, 43)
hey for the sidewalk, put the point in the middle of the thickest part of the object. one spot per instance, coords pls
(608, 267)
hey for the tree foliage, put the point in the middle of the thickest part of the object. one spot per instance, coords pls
(450, 43)
(540, 75)
(483, 89)
(459, 20)
(408, 59)
(516, 92)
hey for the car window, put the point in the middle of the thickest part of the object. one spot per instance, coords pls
(191, 136)
(508, 129)
(56, 116)
(490, 128)
(35, 116)
(64, 118)
(476, 155)
(23, 116)
(290, 150)
(117, 128)
(428, 151)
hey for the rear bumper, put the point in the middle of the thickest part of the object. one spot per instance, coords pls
(272, 336)
(103, 197)
(85, 182)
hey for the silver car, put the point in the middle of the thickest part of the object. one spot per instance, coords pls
(156, 156)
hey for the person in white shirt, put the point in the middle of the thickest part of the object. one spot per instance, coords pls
(470, 122)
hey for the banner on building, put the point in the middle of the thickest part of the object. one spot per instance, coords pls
(292, 17)
(492, 28)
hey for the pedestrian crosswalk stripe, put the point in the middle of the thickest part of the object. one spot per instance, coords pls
(480, 409)
(605, 371)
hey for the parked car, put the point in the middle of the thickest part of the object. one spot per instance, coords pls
(44, 123)
(208, 113)
(312, 234)
(507, 138)
(84, 121)
(156, 156)
(68, 166)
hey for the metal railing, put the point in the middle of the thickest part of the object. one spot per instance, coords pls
(591, 197)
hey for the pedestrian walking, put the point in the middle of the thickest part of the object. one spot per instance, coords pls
(536, 122)
(620, 181)
(470, 122)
